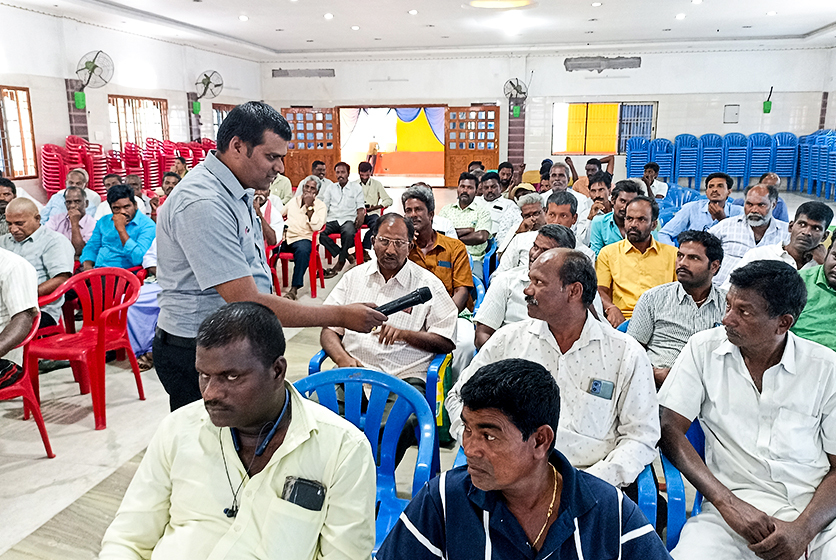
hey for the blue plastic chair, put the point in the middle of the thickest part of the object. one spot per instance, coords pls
(711, 156)
(489, 261)
(760, 156)
(785, 157)
(623, 326)
(825, 144)
(638, 155)
(735, 156)
(686, 160)
(479, 291)
(677, 514)
(661, 151)
(409, 401)
(830, 179)
(666, 215)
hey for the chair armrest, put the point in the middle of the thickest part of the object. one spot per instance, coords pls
(676, 502)
(315, 365)
(647, 494)
(461, 458)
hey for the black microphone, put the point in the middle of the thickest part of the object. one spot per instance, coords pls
(421, 295)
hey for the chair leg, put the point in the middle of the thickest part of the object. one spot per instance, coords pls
(358, 246)
(96, 368)
(30, 401)
(135, 367)
(81, 374)
(285, 273)
(30, 370)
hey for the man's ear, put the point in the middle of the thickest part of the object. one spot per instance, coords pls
(280, 368)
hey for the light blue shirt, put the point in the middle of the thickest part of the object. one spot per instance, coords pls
(208, 234)
(105, 247)
(603, 232)
(694, 215)
(56, 204)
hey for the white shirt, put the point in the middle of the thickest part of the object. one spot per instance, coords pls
(18, 292)
(103, 209)
(504, 300)
(517, 252)
(444, 226)
(342, 202)
(503, 212)
(769, 447)
(272, 211)
(612, 439)
(175, 502)
(150, 258)
(737, 237)
(767, 253)
(581, 227)
(365, 283)
(659, 188)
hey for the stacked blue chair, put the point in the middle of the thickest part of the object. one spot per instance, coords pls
(760, 156)
(638, 154)
(687, 158)
(711, 156)
(735, 156)
(821, 151)
(785, 157)
(661, 151)
(830, 175)
(805, 145)
(678, 196)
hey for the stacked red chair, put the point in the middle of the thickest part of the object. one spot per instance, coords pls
(132, 156)
(152, 174)
(54, 168)
(170, 151)
(92, 159)
(115, 163)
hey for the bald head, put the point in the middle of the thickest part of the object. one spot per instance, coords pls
(23, 218)
(21, 206)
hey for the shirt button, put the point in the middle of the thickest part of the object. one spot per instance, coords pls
(237, 528)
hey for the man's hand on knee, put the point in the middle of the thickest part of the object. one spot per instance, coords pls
(787, 542)
(747, 521)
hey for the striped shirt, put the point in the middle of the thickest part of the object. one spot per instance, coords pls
(737, 237)
(666, 317)
(451, 518)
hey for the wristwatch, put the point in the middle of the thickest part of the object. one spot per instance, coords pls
(310, 208)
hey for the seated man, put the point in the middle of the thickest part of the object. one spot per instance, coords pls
(559, 181)
(49, 252)
(282, 188)
(756, 227)
(75, 224)
(505, 214)
(471, 220)
(700, 215)
(170, 180)
(376, 197)
(143, 313)
(765, 399)
(593, 167)
(18, 307)
(819, 315)
(217, 480)
(179, 167)
(8, 192)
(666, 316)
(805, 249)
(305, 216)
(346, 212)
(518, 497)
(610, 423)
(780, 212)
(408, 341)
(630, 267)
(121, 239)
(133, 181)
(516, 244)
(655, 187)
(269, 209)
(75, 178)
(447, 259)
(506, 177)
(317, 170)
(600, 192)
(609, 228)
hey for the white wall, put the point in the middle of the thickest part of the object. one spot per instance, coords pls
(39, 51)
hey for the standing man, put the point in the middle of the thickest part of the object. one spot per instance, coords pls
(666, 316)
(609, 228)
(75, 178)
(346, 212)
(755, 227)
(75, 224)
(700, 215)
(471, 220)
(766, 400)
(559, 180)
(305, 216)
(376, 198)
(49, 252)
(630, 267)
(8, 192)
(211, 250)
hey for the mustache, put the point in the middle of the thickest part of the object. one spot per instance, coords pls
(756, 219)
(531, 300)
(681, 271)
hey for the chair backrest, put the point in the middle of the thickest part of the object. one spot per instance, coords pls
(711, 141)
(686, 141)
(785, 140)
(479, 287)
(489, 262)
(734, 140)
(660, 146)
(409, 401)
(637, 144)
(760, 140)
(623, 326)
(101, 289)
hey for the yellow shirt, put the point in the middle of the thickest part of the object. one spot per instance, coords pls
(297, 224)
(174, 506)
(629, 272)
(282, 188)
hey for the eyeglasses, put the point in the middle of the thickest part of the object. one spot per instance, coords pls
(385, 241)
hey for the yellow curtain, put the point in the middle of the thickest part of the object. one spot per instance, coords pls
(602, 128)
(576, 128)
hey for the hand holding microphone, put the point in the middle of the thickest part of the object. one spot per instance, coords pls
(419, 296)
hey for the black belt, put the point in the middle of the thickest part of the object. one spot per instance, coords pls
(174, 340)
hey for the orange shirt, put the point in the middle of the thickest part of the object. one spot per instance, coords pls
(448, 260)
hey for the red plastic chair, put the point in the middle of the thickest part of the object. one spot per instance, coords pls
(314, 267)
(23, 388)
(105, 295)
(358, 245)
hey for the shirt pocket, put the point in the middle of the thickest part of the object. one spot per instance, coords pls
(592, 416)
(291, 531)
(795, 437)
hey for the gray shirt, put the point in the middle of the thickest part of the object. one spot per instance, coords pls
(665, 317)
(50, 253)
(207, 234)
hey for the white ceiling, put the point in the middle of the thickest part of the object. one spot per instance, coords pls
(278, 27)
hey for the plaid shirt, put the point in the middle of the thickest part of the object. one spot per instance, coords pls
(737, 237)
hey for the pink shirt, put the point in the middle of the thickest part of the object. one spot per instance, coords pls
(61, 224)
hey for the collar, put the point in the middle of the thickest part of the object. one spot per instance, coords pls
(402, 277)
(787, 360)
(471, 206)
(627, 246)
(821, 280)
(223, 174)
(683, 297)
(591, 331)
(33, 237)
(704, 205)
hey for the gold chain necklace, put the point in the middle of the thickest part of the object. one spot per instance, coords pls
(551, 508)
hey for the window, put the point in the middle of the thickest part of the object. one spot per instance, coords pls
(17, 137)
(219, 113)
(133, 119)
(599, 128)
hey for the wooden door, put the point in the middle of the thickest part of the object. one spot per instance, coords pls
(471, 134)
(316, 136)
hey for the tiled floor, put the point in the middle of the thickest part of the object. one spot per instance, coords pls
(59, 508)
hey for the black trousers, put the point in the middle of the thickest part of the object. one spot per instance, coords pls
(174, 361)
(346, 231)
(371, 221)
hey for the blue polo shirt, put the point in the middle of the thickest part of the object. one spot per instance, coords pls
(602, 232)
(451, 518)
(694, 215)
(105, 247)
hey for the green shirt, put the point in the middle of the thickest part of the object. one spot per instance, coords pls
(817, 320)
(476, 216)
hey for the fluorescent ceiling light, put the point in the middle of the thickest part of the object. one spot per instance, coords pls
(355, 28)
(500, 4)
(772, 13)
(243, 18)
(680, 16)
(413, 12)
(329, 16)
(596, 4)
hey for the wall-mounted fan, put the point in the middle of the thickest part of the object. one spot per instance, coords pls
(209, 84)
(95, 69)
(515, 88)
